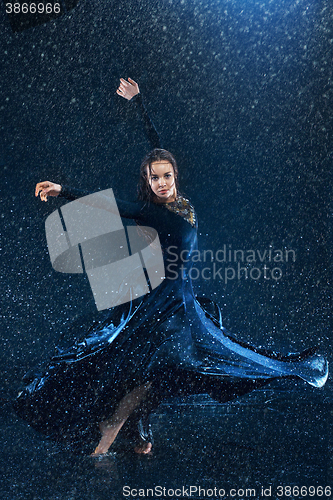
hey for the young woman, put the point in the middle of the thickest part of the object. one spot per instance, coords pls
(167, 343)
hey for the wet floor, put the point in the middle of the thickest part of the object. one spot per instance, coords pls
(255, 447)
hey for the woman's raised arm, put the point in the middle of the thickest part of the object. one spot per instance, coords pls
(130, 91)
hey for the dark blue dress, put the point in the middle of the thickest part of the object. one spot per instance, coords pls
(169, 337)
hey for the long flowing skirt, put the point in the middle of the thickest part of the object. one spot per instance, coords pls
(175, 341)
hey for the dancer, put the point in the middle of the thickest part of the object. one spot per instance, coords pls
(167, 343)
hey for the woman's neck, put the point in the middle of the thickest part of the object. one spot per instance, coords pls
(160, 201)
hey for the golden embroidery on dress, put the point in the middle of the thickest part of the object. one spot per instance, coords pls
(182, 206)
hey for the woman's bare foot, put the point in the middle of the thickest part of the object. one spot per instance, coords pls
(143, 448)
(110, 428)
(109, 434)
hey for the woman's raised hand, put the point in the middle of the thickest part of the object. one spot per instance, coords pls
(47, 188)
(128, 89)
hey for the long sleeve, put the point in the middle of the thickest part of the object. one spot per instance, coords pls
(72, 193)
(127, 209)
(149, 127)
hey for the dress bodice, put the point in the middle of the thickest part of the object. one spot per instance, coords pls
(182, 206)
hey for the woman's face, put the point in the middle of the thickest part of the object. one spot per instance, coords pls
(162, 181)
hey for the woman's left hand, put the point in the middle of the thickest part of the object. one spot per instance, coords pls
(128, 89)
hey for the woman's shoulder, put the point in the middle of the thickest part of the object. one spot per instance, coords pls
(131, 209)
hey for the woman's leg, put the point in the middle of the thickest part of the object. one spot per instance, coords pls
(110, 428)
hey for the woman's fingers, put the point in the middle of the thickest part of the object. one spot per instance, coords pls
(123, 84)
(41, 189)
(40, 186)
(132, 82)
(127, 89)
(47, 188)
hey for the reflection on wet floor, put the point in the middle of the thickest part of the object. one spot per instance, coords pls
(268, 439)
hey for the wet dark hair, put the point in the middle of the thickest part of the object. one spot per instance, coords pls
(145, 193)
